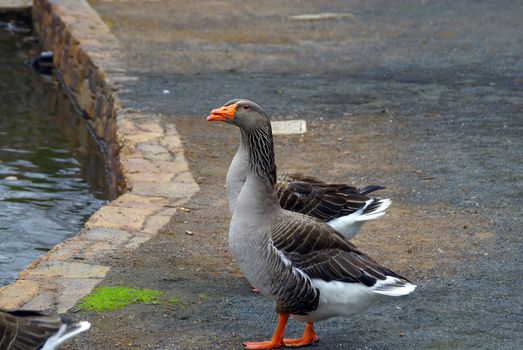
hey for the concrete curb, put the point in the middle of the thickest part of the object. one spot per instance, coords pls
(145, 158)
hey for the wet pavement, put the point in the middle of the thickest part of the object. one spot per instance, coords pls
(422, 97)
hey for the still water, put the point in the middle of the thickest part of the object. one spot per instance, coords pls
(51, 171)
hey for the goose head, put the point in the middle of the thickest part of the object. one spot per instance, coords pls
(243, 113)
(256, 134)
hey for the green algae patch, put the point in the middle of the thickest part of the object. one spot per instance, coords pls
(109, 23)
(113, 298)
(174, 300)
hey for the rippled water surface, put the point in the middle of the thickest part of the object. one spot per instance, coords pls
(51, 171)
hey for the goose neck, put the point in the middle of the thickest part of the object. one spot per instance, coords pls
(260, 146)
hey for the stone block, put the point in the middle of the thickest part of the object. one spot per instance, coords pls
(152, 125)
(70, 249)
(44, 301)
(15, 295)
(172, 142)
(147, 166)
(130, 200)
(123, 218)
(154, 151)
(88, 251)
(140, 136)
(114, 236)
(84, 94)
(51, 269)
(155, 223)
(149, 177)
(182, 186)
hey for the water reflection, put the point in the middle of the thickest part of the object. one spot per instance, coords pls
(51, 171)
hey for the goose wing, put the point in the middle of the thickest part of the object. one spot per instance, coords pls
(311, 196)
(26, 330)
(320, 252)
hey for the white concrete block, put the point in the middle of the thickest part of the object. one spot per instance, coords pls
(289, 127)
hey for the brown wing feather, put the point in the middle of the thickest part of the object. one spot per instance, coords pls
(311, 196)
(321, 252)
(26, 330)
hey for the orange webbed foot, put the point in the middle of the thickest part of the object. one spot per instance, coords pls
(296, 343)
(276, 340)
(309, 337)
(270, 344)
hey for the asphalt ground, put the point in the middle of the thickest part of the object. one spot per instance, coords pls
(422, 97)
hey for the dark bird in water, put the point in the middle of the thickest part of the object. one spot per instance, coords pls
(43, 63)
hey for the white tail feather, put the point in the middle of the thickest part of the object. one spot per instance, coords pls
(360, 214)
(350, 225)
(393, 287)
(385, 204)
(66, 331)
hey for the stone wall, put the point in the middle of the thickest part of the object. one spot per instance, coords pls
(78, 59)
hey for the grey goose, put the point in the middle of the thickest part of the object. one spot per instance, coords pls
(31, 330)
(310, 270)
(344, 207)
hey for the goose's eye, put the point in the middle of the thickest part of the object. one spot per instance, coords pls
(245, 107)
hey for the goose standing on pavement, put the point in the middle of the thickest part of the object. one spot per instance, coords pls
(343, 207)
(309, 269)
(31, 330)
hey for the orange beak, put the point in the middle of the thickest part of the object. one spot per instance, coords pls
(223, 114)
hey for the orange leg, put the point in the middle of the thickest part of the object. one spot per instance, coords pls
(309, 337)
(276, 340)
